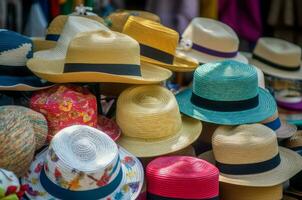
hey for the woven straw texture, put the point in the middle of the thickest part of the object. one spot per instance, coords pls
(17, 140)
(151, 123)
(295, 141)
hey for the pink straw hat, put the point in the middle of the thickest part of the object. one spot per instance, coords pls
(181, 177)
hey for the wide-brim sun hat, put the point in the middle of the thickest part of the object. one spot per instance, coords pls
(87, 51)
(227, 93)
(160, 49)
(249, 155)
(203, 39)
(83, 162)
(151, 123)
(278, 58)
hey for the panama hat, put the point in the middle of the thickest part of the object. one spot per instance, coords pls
(248, 155)
(194, 179)
(117, 20)
(209, 40)
(151, 122)
(227, 93)
(289, 99)
(278, 58)
(97, 55)
(83, 163)
(237, 192)
(15, 50)
(160, 49)
(280, 126)
(295, 142)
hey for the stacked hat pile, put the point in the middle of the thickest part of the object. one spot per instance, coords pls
(63, 147)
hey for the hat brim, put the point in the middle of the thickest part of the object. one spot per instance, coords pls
(292, 75)
(291, 164)
(129, 187)
(40, 44)
(181, 63)
(286, 130)
(52, 70)
(203, 58)
(190, 131)
(22, 83)
(266, 108)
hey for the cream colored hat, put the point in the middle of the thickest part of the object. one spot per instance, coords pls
(87, 51)
(249, 155)
(278, 58)
(208, 40)
(151, 122)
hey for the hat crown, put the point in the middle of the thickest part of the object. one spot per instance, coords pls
(244, 144)
(225, 81)
(15, 49)
(278, 51)
(148, 112)
(211, 34)
(83, 153)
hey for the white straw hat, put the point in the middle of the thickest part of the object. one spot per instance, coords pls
(84, 163)
(249, 155)
(151, 122)
(208, 40)
(278, 58)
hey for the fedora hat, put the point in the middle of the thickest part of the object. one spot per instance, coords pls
(15, 50)
(83, 163)
(278, 58)
(160, 49)
(295, 142)
(249, 155)
(227, 93)
(151, 122)
(238, 192)
(280, 126)
(209, 40)
(117, 20)
(194, 179)
(87, 51)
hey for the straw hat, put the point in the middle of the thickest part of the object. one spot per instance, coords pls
(117, 20)
(54, 30)
(295, 142)
(15, 50)
(281, 127)
(209, 40)
(182, 177)
(248, 155)
(278, 58)
(83, 162)
(160, 49)
(151, 123)
(289, 99)
(237, 192)
(9, 186)
(227, 93)
(87, 51)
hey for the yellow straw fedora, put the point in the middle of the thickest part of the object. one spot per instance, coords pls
(151, 122)
(249, 155)
(87, 51)
(158, 44)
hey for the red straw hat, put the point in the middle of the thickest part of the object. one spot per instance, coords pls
(181, 177)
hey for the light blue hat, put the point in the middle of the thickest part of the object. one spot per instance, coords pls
(227, 93)
(15, 50)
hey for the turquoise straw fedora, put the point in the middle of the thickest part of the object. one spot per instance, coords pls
(226, 93)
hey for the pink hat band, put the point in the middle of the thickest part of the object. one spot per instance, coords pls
(182, 177)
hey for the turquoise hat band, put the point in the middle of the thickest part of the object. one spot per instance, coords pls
(224, 106)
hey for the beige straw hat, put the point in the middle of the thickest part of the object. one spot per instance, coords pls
(295, 142)
(249, 155)
(151, 122)
(87, 51)
(237, 192)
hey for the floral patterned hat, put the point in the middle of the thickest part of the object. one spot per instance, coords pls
(84, 163)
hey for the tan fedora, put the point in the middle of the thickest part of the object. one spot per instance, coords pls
(295, 142)
(278, 58)
(249, 155)
(151, 122)
(87, 51)
(158, 44)
(237, 192)
(209, 40)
